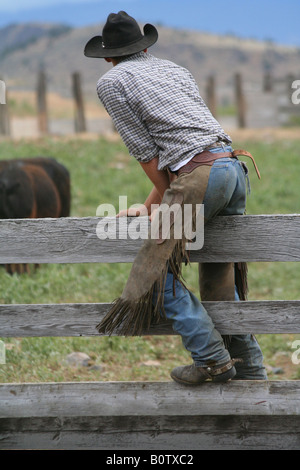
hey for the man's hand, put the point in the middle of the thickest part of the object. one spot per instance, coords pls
(139, 211)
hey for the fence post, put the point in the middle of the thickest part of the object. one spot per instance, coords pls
(42, 102)
(80, 124)
(211, 95)
(240, 101)
(267, 82)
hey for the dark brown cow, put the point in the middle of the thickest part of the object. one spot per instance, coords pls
(33, 188)
(56, 172)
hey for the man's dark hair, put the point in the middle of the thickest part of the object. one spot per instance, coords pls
(123, 57)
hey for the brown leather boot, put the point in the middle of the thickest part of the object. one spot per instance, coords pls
(193, 375)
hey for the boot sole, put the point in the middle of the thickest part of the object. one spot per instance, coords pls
(220, 378)
(228, 375)
(180, 381)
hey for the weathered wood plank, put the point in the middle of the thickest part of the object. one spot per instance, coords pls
(239, 398)
(74, 240)
(153, 433)
(147, 415)
(257, 317)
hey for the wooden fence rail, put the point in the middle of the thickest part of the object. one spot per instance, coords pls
(147, 415)
(74, 240)
(257, 317)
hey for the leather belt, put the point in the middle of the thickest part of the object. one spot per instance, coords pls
(208, 158)
(236, 153)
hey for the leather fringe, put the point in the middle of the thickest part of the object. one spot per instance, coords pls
(227, 340)
(129, 318)
(241, 279)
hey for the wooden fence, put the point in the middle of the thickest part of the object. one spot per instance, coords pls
(149, 415)
(43, 119)
(248, 106)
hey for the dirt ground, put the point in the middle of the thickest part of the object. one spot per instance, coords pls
(27, 127)
(61, 112)
(266, 134)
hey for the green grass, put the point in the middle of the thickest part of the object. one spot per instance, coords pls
(100, 172)
(22, 108)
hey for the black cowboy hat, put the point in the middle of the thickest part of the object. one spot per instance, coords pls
(121, 36)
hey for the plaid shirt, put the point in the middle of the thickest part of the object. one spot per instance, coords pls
(156, 107)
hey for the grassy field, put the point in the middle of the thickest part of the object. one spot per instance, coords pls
(101, 170)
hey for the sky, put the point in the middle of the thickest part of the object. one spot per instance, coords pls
(272, 20)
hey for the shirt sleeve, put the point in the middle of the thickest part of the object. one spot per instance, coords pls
(132, 130)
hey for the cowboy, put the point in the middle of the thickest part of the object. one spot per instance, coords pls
(156, 107)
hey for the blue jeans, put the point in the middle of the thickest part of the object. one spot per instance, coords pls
(225, 195)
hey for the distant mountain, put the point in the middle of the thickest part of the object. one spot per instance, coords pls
(19, 36)
(58, 49)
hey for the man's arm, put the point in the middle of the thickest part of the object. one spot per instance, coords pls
(159, 178)
(161, 181)
(129, 125)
